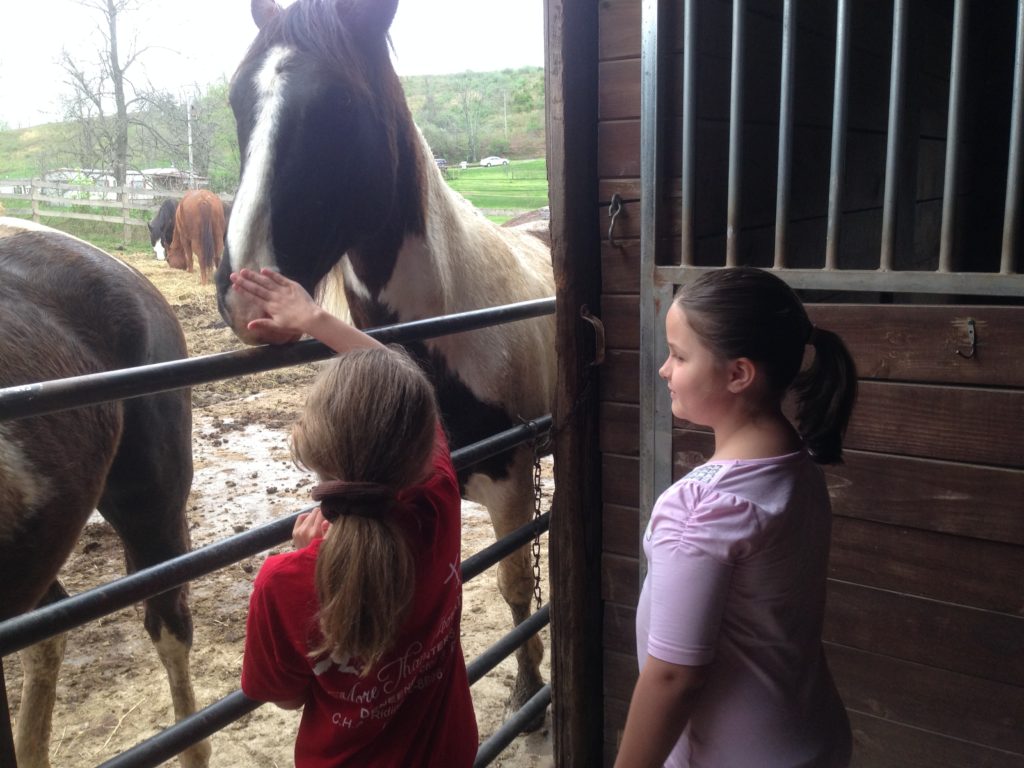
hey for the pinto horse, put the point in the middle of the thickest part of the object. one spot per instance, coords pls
(339, 184)
(161, 228)
(198, 228)
(69, 309)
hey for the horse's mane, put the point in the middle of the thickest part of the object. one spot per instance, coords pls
(317, 28)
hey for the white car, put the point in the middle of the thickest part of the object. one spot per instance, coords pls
(487, 162)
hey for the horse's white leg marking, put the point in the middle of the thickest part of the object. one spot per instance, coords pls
(173, 655)
(40, 664)
(249, 228)
(20, 487)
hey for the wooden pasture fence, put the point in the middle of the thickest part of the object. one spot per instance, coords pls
(128, 206)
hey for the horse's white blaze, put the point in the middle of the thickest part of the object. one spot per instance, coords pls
(249, 229)
(158, 249)
(20, 486)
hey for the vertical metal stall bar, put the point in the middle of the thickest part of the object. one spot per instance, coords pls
(897, 77)
(956, 76)
(732, 230)
(1011, 212)
(689, 164)
(655, 425)
(783, 186)
(837, 167)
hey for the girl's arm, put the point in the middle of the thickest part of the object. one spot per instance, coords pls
(290, 310)
(662, 702)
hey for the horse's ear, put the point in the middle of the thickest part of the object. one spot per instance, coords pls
(263, 11)
(373, 17)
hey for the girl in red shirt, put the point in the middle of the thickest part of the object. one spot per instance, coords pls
(360, 625)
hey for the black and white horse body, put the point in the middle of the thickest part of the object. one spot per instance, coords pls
(69, 309)
(338, 186)
(161, 228)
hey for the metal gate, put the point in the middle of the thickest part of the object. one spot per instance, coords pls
(22, 631)
(662, 271)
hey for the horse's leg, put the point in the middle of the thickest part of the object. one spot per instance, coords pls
(40, 665)
(144, 501)
(510, 505)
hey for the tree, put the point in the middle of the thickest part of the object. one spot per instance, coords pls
(104, 137)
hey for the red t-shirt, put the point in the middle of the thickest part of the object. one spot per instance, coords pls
(414, 707)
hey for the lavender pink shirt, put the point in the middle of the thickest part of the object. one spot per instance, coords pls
(737, 556)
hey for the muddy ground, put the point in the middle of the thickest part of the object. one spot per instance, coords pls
(113, 692)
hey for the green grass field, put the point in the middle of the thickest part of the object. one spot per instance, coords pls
(520, 185)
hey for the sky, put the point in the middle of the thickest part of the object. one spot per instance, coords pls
(197, 41)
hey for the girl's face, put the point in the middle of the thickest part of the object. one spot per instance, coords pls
(697, 379)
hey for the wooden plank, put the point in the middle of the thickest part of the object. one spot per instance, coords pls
(621, 318)
(958, 706)
(620, 376)
(620, 428)
(619, 29)
(572, 94)
(919, 343)
(619, 89)
(615, 711)
(952, 569)
(620, 579)
(621, 530)
(619, 629)
(955, 638)
(880, 743)
(620, 480)
(620, 674)
(620, 265)
(948, 423)
(961, 499)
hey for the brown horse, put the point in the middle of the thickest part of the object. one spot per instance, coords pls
(338, 182)
(198, 228)
(68, 309)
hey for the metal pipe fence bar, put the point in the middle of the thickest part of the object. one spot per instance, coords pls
(512, 727)
(177, 738)
(1011, 211)
(837, 165)
(29, 628)
(689, 161)
(181, 735)
(894, 140)
(47, 397)
(783, 184)
(494, 655)
(735, 192)
(949, 186)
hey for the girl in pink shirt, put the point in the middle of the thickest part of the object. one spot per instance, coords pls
(729, 622)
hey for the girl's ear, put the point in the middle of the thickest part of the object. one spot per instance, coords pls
(741, 374)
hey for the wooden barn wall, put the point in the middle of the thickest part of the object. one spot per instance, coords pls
(925, 624)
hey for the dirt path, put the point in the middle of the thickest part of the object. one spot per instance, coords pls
(113, 692)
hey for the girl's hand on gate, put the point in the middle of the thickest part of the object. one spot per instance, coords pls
(309, 526)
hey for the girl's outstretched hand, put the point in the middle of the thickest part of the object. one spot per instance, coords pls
(289, 310)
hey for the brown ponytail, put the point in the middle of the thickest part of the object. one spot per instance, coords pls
(369, 421)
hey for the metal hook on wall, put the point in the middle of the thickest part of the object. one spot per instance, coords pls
(972, 341)
(614, 209)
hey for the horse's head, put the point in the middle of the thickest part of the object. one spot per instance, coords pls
(324, 135)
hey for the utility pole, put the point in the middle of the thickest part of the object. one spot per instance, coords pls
(190, 114)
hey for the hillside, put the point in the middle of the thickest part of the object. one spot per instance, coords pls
(464, 117)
